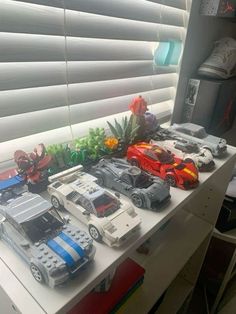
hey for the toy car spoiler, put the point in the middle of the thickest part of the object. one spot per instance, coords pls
(65, 173)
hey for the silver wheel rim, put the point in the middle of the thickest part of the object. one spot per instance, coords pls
(137, 200)
(55, 202)
(36, 273)
(94, 233)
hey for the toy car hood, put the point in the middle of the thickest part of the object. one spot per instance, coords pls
(158, 191)
(123, 223)
(68, 250)
(69, 245)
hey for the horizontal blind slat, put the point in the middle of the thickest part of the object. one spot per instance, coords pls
(16, 75)
(28, 48)
(93, 49)
(80, 24)
(79, 72)
(162, 108)
(17, 126)
(86, 92)
(53, 3)
(20, 17)
(180, 4)
(140, 10)
(101, 108)
(13, 102)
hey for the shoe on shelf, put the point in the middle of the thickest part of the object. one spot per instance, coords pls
(231, 190)
(221, 64)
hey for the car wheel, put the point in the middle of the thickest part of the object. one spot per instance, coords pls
(170, 179)
(134, 162)
(37, 274)
(95, 234)
(100, 179)
(137, 200)
(55, 202)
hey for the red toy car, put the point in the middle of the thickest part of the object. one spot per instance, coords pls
(155, 160)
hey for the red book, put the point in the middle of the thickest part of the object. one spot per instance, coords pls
(128, 276)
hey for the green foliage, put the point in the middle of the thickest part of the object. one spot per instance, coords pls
(92, 144)
(61, 156)
(126, 131)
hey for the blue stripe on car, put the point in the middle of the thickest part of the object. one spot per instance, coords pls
(72, 243)
(61, 252)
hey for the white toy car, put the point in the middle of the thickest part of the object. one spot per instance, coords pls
(109, 219)
(185, 149)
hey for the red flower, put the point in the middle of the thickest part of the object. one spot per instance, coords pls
(138, 106)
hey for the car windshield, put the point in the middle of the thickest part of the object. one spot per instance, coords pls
(201, 133)
(159, 154)
(142, 181)
(43, 226)
(105, 205)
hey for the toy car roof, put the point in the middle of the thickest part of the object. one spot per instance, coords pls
(80, 182)
(190, 126)
(26, 207)
(87, 189)
(11, 182)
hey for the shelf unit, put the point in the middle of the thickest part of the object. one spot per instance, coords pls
(180, 235)
(171, 248)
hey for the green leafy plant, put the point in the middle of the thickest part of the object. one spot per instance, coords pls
(79, 156)
(126, 131)
(61, 156)
(92, 144)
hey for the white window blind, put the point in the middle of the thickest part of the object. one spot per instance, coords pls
(66, 65)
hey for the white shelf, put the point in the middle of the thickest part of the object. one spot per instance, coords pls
(175, 297)
(170, 249)
(61, 299)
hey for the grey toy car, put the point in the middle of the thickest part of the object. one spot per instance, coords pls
(53, 248)
(145, 190)
(197, 133)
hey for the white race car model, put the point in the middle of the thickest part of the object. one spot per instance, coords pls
(185, 149)
(109, 219)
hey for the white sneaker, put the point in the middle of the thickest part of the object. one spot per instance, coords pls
(221, 64)
(231, 190)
